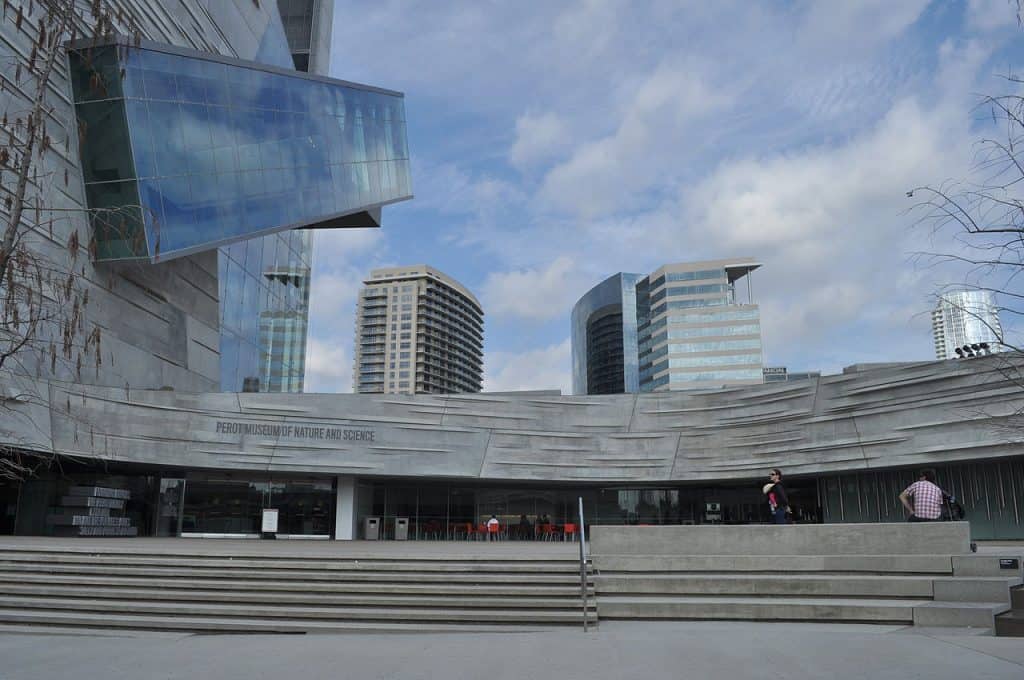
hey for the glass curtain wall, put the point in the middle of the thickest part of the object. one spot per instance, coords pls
(204, 151)
(439, 511)
(264, 305)
(233, 504)
(991, 493)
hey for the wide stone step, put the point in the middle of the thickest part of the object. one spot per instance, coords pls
(765, 609)
(63, 620)
(798, 585)
(298, 564)
(284, 612)
(173, 571)
(338, 586)
(782, 564)
(419, 599)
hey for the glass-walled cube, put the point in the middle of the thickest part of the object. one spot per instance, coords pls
(185, 151)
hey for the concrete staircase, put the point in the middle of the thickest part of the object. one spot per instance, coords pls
(915, 588)
(180, 586)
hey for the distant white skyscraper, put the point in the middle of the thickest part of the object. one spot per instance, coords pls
(964, 317)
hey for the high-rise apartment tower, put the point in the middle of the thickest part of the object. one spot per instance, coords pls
(417, 331)
(965, 317)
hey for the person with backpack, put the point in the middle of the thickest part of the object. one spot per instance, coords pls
(778, 502)
(927, 498)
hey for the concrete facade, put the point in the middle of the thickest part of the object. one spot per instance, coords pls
(916, 414)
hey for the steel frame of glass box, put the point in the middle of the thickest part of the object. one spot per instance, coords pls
(199, 151)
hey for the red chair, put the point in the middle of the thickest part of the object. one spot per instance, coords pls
(569, 530)
(481, 532)
(493, 531)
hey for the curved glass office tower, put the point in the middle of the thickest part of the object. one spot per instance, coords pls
(604, 338)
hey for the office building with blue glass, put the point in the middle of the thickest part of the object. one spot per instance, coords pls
(683, 326)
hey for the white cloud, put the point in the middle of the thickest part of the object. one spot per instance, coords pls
(328, 367)
(539, 137)
(653, 136)
(807, 200)
(990, 15)
(856, 26)
(544, 368)
(533, 294)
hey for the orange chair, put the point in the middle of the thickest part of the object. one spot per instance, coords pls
(493, 531)
(481, 532)
(569, 530)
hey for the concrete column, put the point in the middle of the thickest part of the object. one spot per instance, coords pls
(345, 509)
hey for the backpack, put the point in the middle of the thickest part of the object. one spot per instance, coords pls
(952, 511)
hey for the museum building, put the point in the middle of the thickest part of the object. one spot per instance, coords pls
(436, 466)
(220, 156)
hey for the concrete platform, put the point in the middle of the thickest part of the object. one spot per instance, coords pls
(732, 650)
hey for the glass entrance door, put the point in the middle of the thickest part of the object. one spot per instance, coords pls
(169, 507)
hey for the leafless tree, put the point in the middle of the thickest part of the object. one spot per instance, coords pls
(983, 218)
(45, 329)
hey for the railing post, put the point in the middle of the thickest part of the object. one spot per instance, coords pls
(583, 566)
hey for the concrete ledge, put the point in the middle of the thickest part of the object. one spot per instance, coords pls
(987, 565)
(757, 609)
(958, 614)
(776, 585)
(952, 538)
(887, 564)
(974, 589)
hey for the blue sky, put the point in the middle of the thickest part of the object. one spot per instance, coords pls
(556, 143)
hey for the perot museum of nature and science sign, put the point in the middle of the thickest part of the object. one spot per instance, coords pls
(304, 431)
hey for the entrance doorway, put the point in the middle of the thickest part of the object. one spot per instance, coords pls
(228, 505)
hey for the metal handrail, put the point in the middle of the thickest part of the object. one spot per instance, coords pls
(583, 566)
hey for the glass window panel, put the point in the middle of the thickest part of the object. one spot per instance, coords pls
(168, 144)
(143, 148)
(161, 85)
(116, 220)
(104, 142)
(96, 73)
(151, 203)
(215, 82)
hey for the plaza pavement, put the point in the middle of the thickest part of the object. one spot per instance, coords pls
(697, 650)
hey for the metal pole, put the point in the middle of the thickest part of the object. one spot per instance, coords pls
(583, 566)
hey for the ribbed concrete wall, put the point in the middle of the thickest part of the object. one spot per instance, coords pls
(934, 412)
